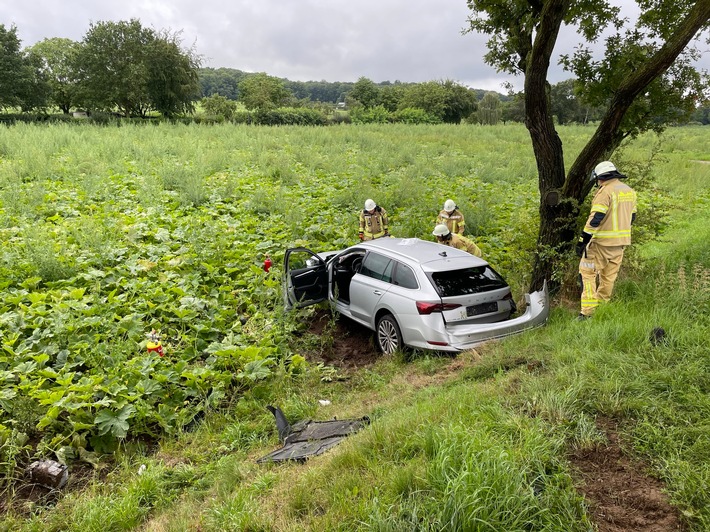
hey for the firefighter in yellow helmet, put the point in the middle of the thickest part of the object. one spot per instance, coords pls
(452, 217)
(605, 236)
(446, 237)
(373, 222)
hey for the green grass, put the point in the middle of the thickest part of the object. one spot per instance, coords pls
(475, 443)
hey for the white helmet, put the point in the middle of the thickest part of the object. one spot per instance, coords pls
(603, 168)
(449, 205)
(370, 204)
(441, 230)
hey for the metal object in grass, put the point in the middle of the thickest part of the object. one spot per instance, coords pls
(309, 438)
(48, 473)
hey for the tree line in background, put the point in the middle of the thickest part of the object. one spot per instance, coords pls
(126, 69)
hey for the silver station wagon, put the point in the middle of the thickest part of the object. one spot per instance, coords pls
(412, 293)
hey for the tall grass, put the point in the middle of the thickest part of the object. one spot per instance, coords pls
(483, 451)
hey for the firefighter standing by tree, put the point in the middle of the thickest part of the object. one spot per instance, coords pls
(605, 235)
(452, 217)
(373, 222)
(446, 237)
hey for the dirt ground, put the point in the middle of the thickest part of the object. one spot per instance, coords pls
(352, 346)
(621, 497)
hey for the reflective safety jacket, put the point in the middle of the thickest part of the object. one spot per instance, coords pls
(453, 221)
(461, 242)
(373, 225)
(615, 204)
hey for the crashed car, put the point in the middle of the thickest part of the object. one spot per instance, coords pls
(412, 292)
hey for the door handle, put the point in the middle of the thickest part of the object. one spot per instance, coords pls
(377, 293)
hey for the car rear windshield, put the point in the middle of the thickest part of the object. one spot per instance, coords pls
(467, 281)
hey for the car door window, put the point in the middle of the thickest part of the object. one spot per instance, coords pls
(378, 267)
(404, 276)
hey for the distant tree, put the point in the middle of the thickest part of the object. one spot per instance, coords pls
(20, 82)
(34, 91)
(459, 102)
(112, 67)
(261, 91)
(217, 105)
(429, 96)
(57, 57)
(124, 66)
(567, 106)
(365, 93)
(489, 109)
(390, 96)
(319, 91)
(702, 114)
(172, 83)
(513, 110)
(222, 81)
(644, 79)
(446, 100)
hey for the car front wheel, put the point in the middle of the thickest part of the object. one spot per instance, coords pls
(389, 337)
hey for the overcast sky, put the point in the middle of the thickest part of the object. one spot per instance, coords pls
(302, 40)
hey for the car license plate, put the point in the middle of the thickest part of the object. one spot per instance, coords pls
(483, 308)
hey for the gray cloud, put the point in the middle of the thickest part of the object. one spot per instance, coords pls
(333, 40)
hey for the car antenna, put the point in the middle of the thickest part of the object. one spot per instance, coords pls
(443, 254)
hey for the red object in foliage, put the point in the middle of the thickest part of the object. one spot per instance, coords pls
(267, 263)
(155, 348)
(154, 345)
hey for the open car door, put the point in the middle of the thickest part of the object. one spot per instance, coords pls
(305, 278)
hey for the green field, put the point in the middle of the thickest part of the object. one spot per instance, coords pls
(110, 232)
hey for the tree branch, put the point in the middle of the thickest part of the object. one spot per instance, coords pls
(607, 138)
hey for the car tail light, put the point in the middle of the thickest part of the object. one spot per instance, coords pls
(509, 297)
(426, 308)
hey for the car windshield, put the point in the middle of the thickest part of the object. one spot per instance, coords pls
(466, 281)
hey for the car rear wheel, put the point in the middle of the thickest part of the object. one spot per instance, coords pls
(388, 335)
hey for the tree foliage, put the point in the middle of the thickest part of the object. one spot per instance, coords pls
(365, 93)
(643, 79)
(489, 109)
(219, 106)
(459, 102)
(261, 91)
(124, 66)
(446, 100)
(58, 59)
(173, 83)
(21, 83)
(222, 81)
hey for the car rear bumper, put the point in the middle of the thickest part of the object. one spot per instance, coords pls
(536, 313)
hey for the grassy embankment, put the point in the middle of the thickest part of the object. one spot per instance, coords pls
(479, 443)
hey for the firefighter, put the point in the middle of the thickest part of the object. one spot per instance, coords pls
(446, 237)
(373, 222)
(605, 235)
(452, 217)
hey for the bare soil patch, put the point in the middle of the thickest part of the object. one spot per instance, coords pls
(620, 496)
(25, 498)
(343, 343)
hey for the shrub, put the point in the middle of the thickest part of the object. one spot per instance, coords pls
(371, 115)
(219, 106)
(289, 117)
(414, 115)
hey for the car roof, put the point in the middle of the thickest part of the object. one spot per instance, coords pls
(432, 254)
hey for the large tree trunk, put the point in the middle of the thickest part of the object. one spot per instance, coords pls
(560, 196)
(546, 143)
